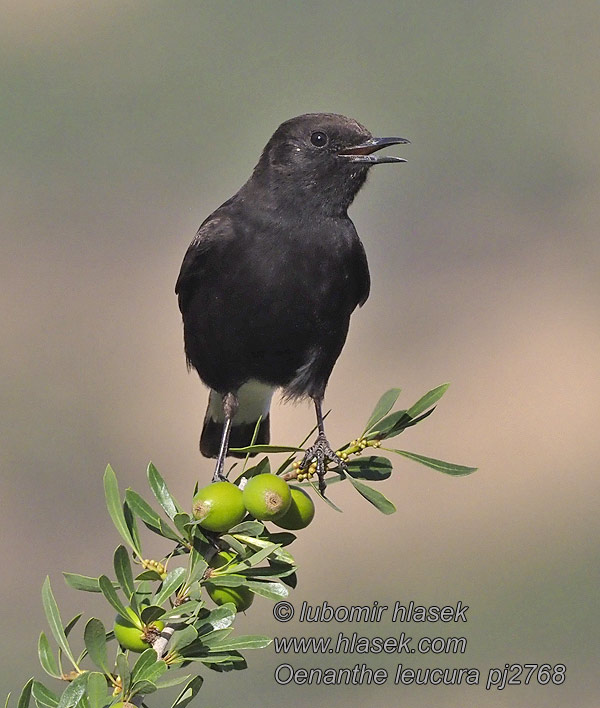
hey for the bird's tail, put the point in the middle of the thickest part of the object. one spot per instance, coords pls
(254, 404)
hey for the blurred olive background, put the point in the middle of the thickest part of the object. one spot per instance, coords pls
(125, 124)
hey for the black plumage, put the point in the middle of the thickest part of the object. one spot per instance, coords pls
(268, 284)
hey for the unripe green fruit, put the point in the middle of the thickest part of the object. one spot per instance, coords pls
(133, 637)
(300, 513)
(219, 506)
(267, 496)
(241, 597)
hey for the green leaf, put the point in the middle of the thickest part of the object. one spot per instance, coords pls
(251, 528)
(82, 582)
(147, 666)
(74, 692)
(427, 400)
(170, 584)
(53, 617)
(273, 591)
(97, 694)
(169, 683)
(211, 638)
(244, 642)
(188, 693)
(182, 637)
(71, 623)
(94, 637)
(150, 613)
(144, 687)
(219, 618)
(146, 513)
(123, 672)
(113, 503)
(372, 495)
(258, 543)
(161, 492)
(383, 407)
(317, 491)
(43, 696)
(47, 658)
(25, 696)
(181, 521)
(254, 559)
(393, 422)
(373, 468)
(185, 610)
(123, 571)
(255, 449)
(197, 567)
(107, 589)
(229, 580)
(439, 465)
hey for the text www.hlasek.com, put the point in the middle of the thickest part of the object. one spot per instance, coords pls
(510, 674)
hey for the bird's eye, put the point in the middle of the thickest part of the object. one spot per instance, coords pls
(319, 138)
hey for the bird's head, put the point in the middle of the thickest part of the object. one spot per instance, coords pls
(322, 156)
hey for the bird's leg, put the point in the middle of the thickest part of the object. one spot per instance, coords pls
(230, 406)
(321, 452)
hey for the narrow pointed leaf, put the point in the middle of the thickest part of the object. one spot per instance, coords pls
(146, 513)
(327, 501)
(374, 468)
(383, 407)
(181, 521)
(428, 400)
(43, 696)
(123, 571)
(197, 568)
(97, 690)
(244, 642)
(256, 449)
(372, 495)
(439, 465)
(216, 636)
(258, 543)
(188, 693)
(94, 637)
(254, 559)
(53, 617)
(251, 528)
(145, 661)
(170, 584)
(71, 623)
(161, 492)
(273, 591)
(170, 682)
(82, 582)
(47, 658)
(110, 594)
(183, 637)
(74, 692)
(115, 509)
(124, 672)
(25, 696)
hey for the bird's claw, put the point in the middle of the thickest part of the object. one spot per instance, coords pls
(320, 454)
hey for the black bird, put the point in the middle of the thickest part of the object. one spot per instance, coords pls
(268, 284)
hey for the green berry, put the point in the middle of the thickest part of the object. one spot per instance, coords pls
(219, 506)
(267, 496)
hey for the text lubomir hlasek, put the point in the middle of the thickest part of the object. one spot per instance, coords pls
(399, 612)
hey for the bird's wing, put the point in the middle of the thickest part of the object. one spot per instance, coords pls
(362, 277)
(211, 233)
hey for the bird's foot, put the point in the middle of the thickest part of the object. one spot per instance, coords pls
(218, 475)
(317, 457)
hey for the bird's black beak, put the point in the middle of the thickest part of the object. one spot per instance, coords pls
(363, 153)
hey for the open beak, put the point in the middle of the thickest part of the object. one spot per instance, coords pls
(363, 153)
